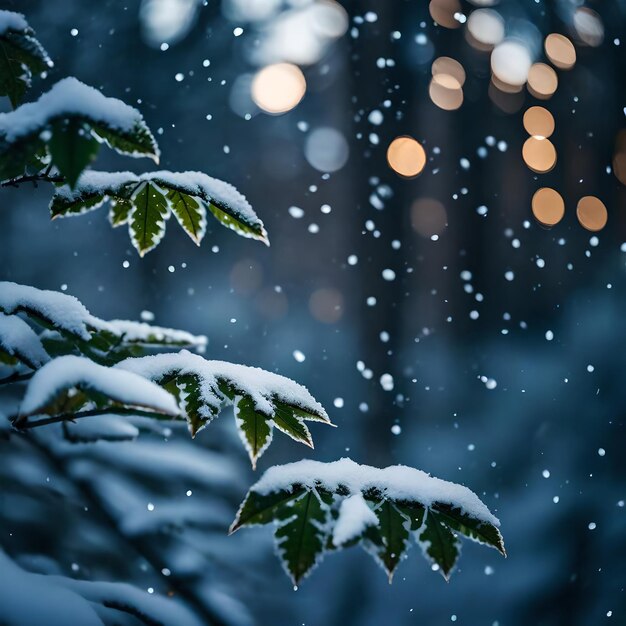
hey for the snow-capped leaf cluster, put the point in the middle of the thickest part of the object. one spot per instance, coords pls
(86, 366)
(319, 507)
(147, 201)
(65, 128)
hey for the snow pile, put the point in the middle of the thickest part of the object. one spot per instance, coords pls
(262, 386)
(18, 339)
(397, 482)
(145, 333)
(70, 371)
(354, 517)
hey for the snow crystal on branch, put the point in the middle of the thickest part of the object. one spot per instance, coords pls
(397, 482)
(354, 517)
(70, 371)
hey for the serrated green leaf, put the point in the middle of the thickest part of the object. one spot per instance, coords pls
(254, 428)
(147, 217)
(389, 540)
(478, 530)
(63, 206)
(197, 411)
(25, 48)
(413, 511)
(119, 213)
(231, 220)
(439, 543)
(137, 142)
(72, 148)
(14, 77)
(258, 509)
(302, 534)
(190, 214)
(286, 420)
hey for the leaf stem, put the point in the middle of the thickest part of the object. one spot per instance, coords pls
(15, 377)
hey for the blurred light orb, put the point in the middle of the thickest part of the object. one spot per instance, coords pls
(445, 91)
(542, 81)
(447, 65)
(539, 154)
(588, 26)
(510, 62)
(444, 11)
(406, 156)
(326, 149)
(326, 305)
(539, 122)
(548, 206)
(166, 21)
(278, 88)
(591, 213)
(486, 27)
(428, 217)
(330, 19)
(560, 50)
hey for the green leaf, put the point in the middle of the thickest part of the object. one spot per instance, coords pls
(439, 543)
(286, 420)
(72, 148)
(302, 534)
(258, 509)
(119, 212)
(197, 411)
(389, 540)
(478, 530)
(16, 157)
(147, 217)
(414, 512)
(190, 213)
(254, 428)
(63, 206)
(20, 55)
(232, 220)
(139, 141)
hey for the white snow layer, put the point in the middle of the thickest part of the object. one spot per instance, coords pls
(69, 97)
(69, 371)
(68, 313)
(354, 517)
(193, 183)
(17, 338)
(262, 386)
(12, 21)
(397, 482)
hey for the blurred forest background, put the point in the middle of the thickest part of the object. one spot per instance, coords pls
(490, 355)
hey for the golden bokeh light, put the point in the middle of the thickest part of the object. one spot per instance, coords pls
(560, 50)
(548, 206)
(539, 122)
(446, 92)
(278, 88)
(428, 217)
(406, 156)
(449, 66)
(591, 213)
(542, 81)
(619, 157)
(539, 154)
(326, 305)
(443, 12)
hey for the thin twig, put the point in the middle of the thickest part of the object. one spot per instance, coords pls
(21, 423)
(33, 178)
(14, 378)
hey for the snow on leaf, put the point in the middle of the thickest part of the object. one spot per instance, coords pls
(191, 196)
(281, 402)
(72, 372)
(355, 516)
(146, 221)
(379, 508)
(254, 428)
(86, 113)
(19, 340)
